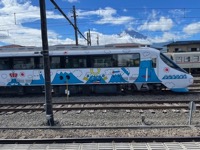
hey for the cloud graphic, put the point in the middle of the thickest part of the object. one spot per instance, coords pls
(145, 54)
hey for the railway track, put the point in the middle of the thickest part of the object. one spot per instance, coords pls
(22, 134)
(100, 140)
(142, 143)
(195, 87)
(114, 105)
(78, 125)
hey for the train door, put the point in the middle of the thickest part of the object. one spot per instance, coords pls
(154, 66)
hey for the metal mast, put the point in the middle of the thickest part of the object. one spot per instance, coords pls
(48, 96)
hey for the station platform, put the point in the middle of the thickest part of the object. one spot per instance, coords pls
(105, 146)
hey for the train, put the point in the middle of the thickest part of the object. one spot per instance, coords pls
(189, 61)
(90, 70)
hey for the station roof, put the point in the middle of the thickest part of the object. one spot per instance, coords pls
(184, 43)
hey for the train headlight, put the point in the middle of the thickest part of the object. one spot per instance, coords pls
(191, 80)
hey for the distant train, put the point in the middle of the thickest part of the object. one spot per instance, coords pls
(87, 70)
(190, 61)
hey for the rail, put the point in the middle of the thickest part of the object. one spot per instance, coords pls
(157, 105)
(100, 140)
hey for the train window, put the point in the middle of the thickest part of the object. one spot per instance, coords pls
(76, 62)
(38, 63)
(82, 63)
(5, 64)
(195, 58)
(187, 59)
(114, 61)
(178, 59)
(66, 61)
(193, 49)
(136, 60)
(99, 61)
(128, 60)
(55, 62)
(63, 62)
(23, 63)
(123, 60)
(176, 49)
(170, 63)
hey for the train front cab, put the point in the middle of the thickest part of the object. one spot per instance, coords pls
(174, 77)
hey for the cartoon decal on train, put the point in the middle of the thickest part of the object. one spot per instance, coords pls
(91, 76)
(100, 76)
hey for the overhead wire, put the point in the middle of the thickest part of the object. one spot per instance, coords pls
(90, 21)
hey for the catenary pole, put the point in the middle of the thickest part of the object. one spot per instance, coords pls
(75, 25)
(57, 7)
(45, 52)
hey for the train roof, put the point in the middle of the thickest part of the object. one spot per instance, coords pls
(184, 43)
(71, 50)
(69, 47)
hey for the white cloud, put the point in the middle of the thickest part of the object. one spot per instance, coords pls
(72, 1)
(107, 16)
(167, 36)
(177, 12)
(12, 29)
(114, 38)
(153, 14)
(163, 24)
(192, 28)
(125, 10)
(11, 7)
(18, 33)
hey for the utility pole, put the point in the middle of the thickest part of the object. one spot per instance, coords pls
(88, 38)
(97, 39)
(75, 25)
(15, 18)
(45, 52)
(88, 43)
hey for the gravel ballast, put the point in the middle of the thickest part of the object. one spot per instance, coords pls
(110, 118)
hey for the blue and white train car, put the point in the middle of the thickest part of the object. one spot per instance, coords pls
(86, 70)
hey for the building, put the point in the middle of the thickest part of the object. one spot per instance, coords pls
(184, 46)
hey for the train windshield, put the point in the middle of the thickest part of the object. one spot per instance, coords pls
(170, 63)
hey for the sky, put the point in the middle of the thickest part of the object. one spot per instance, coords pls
(107, 20)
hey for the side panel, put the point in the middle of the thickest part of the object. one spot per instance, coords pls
(70, 76)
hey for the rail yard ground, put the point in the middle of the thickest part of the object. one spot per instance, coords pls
(102, 123)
